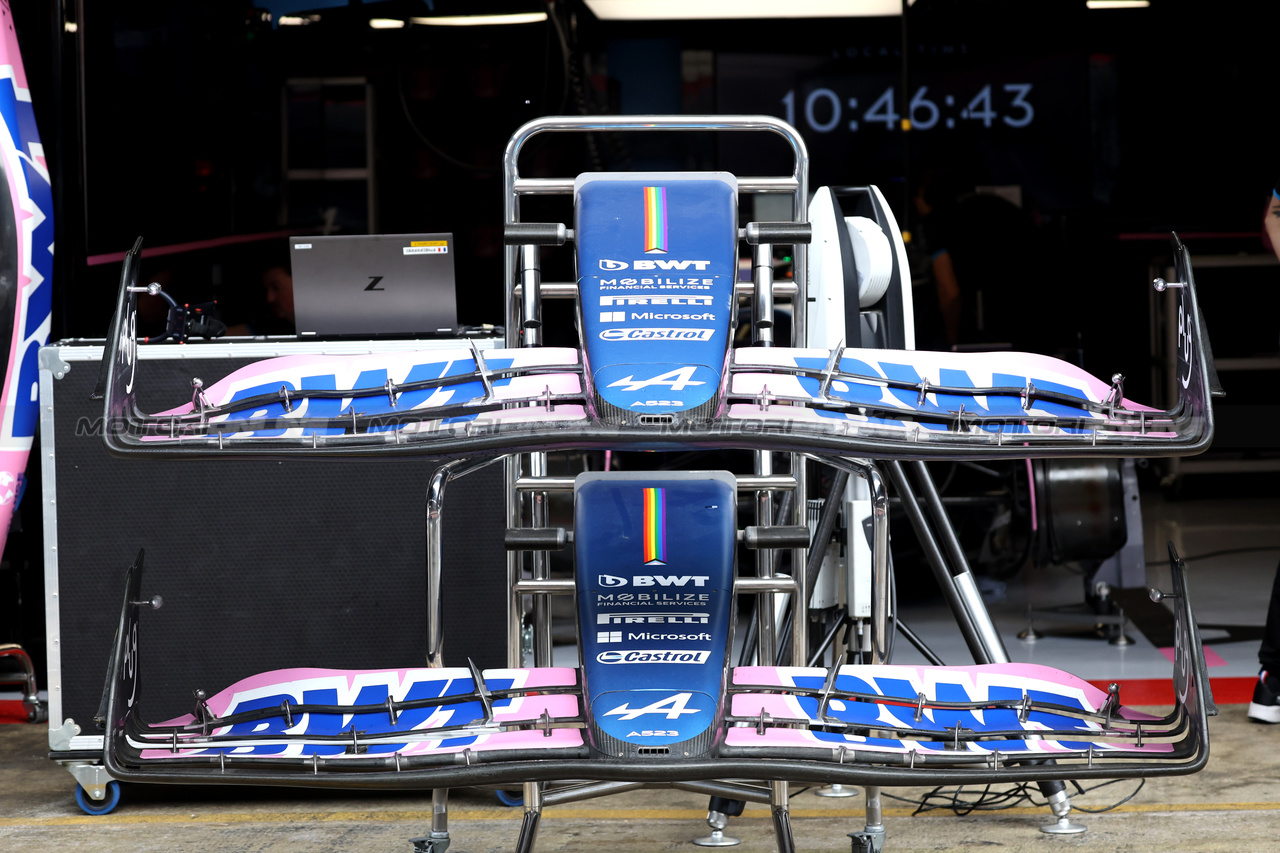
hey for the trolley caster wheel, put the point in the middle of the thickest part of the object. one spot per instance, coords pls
(99, 807)
(514, 799)
(430, 844)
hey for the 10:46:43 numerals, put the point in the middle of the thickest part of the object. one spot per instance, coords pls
(823, 110)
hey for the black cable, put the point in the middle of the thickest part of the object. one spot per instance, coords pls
(1023, 793)
(982, 469)
(422, 137)
(828, 637)
(822, 536)
(1115, 805)
(576, 86)
(565, 55)
(921, 645)
(490, 169)
(784, 636)
(951, 475)
(781, 517)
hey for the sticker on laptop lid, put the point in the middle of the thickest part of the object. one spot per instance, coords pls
(427, 247)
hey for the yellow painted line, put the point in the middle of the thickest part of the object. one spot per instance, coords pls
(563, 814)
(1133, 808)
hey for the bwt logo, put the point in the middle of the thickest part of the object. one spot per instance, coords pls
(655, 580)
(609, 265)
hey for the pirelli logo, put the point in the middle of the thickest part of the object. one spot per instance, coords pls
(652, 618)
(608, 301)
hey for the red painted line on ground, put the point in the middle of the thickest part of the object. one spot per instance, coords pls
(196, 245)
(1159, 691)
(1211, 658)
(12, 711)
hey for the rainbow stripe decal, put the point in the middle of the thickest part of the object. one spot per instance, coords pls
(655, 527)
(655, 219)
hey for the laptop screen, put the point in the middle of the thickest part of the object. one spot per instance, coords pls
(374, 284)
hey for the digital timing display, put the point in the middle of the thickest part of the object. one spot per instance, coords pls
(823, 110)
(987, 119)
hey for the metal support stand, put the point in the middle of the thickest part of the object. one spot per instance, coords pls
(1060, 804)
(782, 818)
(438, 840)
(717, 821)
(933, 553)
(836, 791)
(36, 712)
(871, 839)
(961, 574)
(532, 817)
(765, 610)
(435, 560)
(956, 580)
(538, 515)
(444, 475)
(1029, 634)
(728, 799)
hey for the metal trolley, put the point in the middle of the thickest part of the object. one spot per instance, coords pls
(853, 411)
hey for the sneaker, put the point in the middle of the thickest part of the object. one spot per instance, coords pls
(1265, 707)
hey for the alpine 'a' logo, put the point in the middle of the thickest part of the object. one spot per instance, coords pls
(613, 266)
(676, 380)
(672, 706)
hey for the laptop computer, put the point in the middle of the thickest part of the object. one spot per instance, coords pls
(374, 284)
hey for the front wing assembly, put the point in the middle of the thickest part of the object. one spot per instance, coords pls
(461, 402)
(450, 727)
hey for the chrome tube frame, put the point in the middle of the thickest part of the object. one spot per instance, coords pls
(444, 475)
(765, 609)
(517, 286)
(961, 574)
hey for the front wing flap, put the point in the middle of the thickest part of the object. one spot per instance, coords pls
(449, 727)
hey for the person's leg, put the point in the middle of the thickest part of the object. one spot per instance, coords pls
(1265, 707)
(1269, 653)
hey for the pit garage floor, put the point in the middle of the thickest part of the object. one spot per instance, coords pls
(1233, 805)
